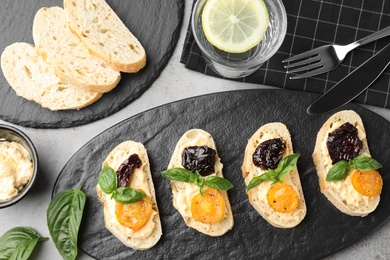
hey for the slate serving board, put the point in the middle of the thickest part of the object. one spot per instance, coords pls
(231, 118)
(155, 23)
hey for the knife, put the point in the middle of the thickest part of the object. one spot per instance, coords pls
(352, 85)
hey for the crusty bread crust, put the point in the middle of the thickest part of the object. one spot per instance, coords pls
(322, 162)
(70, 58)
(217, 229)
(154, 237)
(257, 195)
(33, 79)
(103, 32)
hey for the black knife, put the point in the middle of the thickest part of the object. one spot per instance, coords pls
(352, 85)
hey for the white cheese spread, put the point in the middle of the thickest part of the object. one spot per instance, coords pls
(16, 169)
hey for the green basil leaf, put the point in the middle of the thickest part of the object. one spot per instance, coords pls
(286, 165)
(108, 181)
(258, 180)
(179, 174)
(338, 171)
(364, 163)
(218, 183)
(126, 195)
(18, 243)
(63, 220)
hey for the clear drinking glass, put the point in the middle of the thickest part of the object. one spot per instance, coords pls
(238, 65)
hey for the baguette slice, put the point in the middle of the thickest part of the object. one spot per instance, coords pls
(150, 233)
(341, 193)
(69, 57)
(257, 196)
(182, 193)
(103, 32)
(34, 80)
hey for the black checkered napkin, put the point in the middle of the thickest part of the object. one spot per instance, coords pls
(312, 24)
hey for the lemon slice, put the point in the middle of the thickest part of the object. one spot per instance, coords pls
(235, 26)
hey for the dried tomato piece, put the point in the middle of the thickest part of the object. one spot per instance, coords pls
(268, 153)
(199, 158)
(126, 169)
(344, 143)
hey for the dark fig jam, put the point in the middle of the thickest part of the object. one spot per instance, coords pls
(200, 159)
(344, 143)
(127, 168)
(268, 153)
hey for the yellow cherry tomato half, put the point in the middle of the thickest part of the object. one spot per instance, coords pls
(209, 208)
(282, 198)
(134, 215)
(368, 183)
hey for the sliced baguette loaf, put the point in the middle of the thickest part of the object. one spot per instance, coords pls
(341, 193)
(150, 233)
(34, 80)
(103, 32)
(182, 192)
(257, 195)
(69, 57)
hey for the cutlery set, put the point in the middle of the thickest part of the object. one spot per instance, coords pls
(328, 57)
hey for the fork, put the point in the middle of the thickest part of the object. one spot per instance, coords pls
(327, 57)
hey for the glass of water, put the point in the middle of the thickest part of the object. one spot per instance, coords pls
(238, 65)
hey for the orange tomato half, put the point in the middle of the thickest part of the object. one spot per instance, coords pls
(368, 183)
(209, 208)
(134, 215)
(282, 198)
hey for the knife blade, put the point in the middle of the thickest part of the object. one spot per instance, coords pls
(353, 84)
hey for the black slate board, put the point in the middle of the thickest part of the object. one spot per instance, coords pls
(231, 117)
(155, 23)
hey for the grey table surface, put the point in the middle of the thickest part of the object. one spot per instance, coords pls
(56, 146)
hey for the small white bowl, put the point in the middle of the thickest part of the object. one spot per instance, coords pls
(12, 134)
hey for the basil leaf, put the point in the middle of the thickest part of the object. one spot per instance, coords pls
(18, 243)
(338, 171)
(218, 183)
(179, 174)
(126, 195)
(108, 181)
(286, 165)
(364, 163)
(258, 180)
(63, 220)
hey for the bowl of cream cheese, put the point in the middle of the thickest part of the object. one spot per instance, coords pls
(18, 165)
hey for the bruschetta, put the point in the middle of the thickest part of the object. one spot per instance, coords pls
(203, 205)
(125, 175)
(347, 173)
(271, 176)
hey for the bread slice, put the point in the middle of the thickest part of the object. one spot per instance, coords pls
(150, 233)
(257, 195)
(99, 27)
(182, 193)
(34, 80)
(69, 57)
(341, 193)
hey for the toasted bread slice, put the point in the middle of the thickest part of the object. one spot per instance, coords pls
(69, 57)
(182, 193)
(257, 195)
(103, 32)
(150, 233)
(341, 193)
(33, 79)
